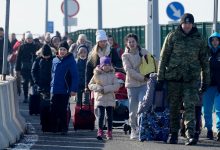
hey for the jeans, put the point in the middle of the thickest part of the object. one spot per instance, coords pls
(101, 115)
(135, 95)
(211, 98)
(11, 68)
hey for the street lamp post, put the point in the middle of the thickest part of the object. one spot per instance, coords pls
(65, 17)
(99, 14)
(5, 49)
(215, 19)
(46, 16)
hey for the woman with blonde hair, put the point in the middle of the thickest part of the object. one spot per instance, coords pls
(102, 48)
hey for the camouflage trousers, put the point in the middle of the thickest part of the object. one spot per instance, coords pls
(186, 93)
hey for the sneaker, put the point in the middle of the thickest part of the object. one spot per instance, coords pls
(210, 134)
(133, 134)
(99, 134)
(174, 138)
(218, 136)
(109, 135)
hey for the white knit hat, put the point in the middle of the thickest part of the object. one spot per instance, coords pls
(28, 35)
(101, 36)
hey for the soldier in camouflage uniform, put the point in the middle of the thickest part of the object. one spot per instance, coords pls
(183, 56)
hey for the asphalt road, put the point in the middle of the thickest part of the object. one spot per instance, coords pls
(86, 140)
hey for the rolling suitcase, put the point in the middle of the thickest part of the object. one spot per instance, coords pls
(34, 104)
(84, 117)
(45, 112)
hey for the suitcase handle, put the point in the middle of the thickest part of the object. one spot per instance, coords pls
(84, 93)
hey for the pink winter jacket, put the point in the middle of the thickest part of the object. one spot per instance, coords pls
(104, 81)
(131, 63)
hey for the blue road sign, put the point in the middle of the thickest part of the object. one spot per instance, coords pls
(50, 26)
(175, 10)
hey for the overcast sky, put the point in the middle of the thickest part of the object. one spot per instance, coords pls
(29, 14)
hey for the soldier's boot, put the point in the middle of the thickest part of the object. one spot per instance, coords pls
(191, 141)
(174, 138)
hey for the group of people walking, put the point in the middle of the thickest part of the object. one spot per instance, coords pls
(189, 68)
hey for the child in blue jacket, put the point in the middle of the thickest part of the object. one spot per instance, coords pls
(63, 85)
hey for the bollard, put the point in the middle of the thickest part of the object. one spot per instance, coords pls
(5, 138)
(14, 107)
(21, 120)
(12, 124)
(11, 106)
(7, 123)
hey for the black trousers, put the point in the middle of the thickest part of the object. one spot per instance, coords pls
(26, 80)
(101, 116)
(59, 112)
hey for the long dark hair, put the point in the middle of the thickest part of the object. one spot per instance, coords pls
(132, 35)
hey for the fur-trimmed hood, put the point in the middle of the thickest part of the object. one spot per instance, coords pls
(98, 70)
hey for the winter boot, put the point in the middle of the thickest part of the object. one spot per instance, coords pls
(109, 135)
(99, 134)
(210, 135)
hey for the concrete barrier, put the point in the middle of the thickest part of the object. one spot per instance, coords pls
(12, 125)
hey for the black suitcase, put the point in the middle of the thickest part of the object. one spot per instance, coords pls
(34, 104)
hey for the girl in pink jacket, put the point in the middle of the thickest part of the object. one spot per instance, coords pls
(104, 84)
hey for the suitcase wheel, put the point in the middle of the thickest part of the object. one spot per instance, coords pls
(127, 129)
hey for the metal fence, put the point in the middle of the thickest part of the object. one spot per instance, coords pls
(205, 28)
(117, 33)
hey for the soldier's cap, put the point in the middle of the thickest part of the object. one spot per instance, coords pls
(187, 18)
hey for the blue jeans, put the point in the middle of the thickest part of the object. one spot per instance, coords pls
(211, 98)
(135, 95)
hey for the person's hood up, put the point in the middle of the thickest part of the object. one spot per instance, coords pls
(98, 70)
(215, 34)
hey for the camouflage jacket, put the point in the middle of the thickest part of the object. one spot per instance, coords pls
(183, 57)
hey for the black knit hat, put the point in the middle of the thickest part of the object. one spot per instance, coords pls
(187, 18)
(46, 50)
(64, 44)
(82, 46)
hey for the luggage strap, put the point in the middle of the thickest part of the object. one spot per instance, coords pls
(163, 99)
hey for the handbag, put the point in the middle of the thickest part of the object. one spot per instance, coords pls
(12, 58)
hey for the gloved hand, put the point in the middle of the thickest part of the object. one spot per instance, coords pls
(203, 88)
(147, 76)
(159, 85)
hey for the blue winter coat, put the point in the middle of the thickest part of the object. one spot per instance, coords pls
(64, 75)
(214, 62)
